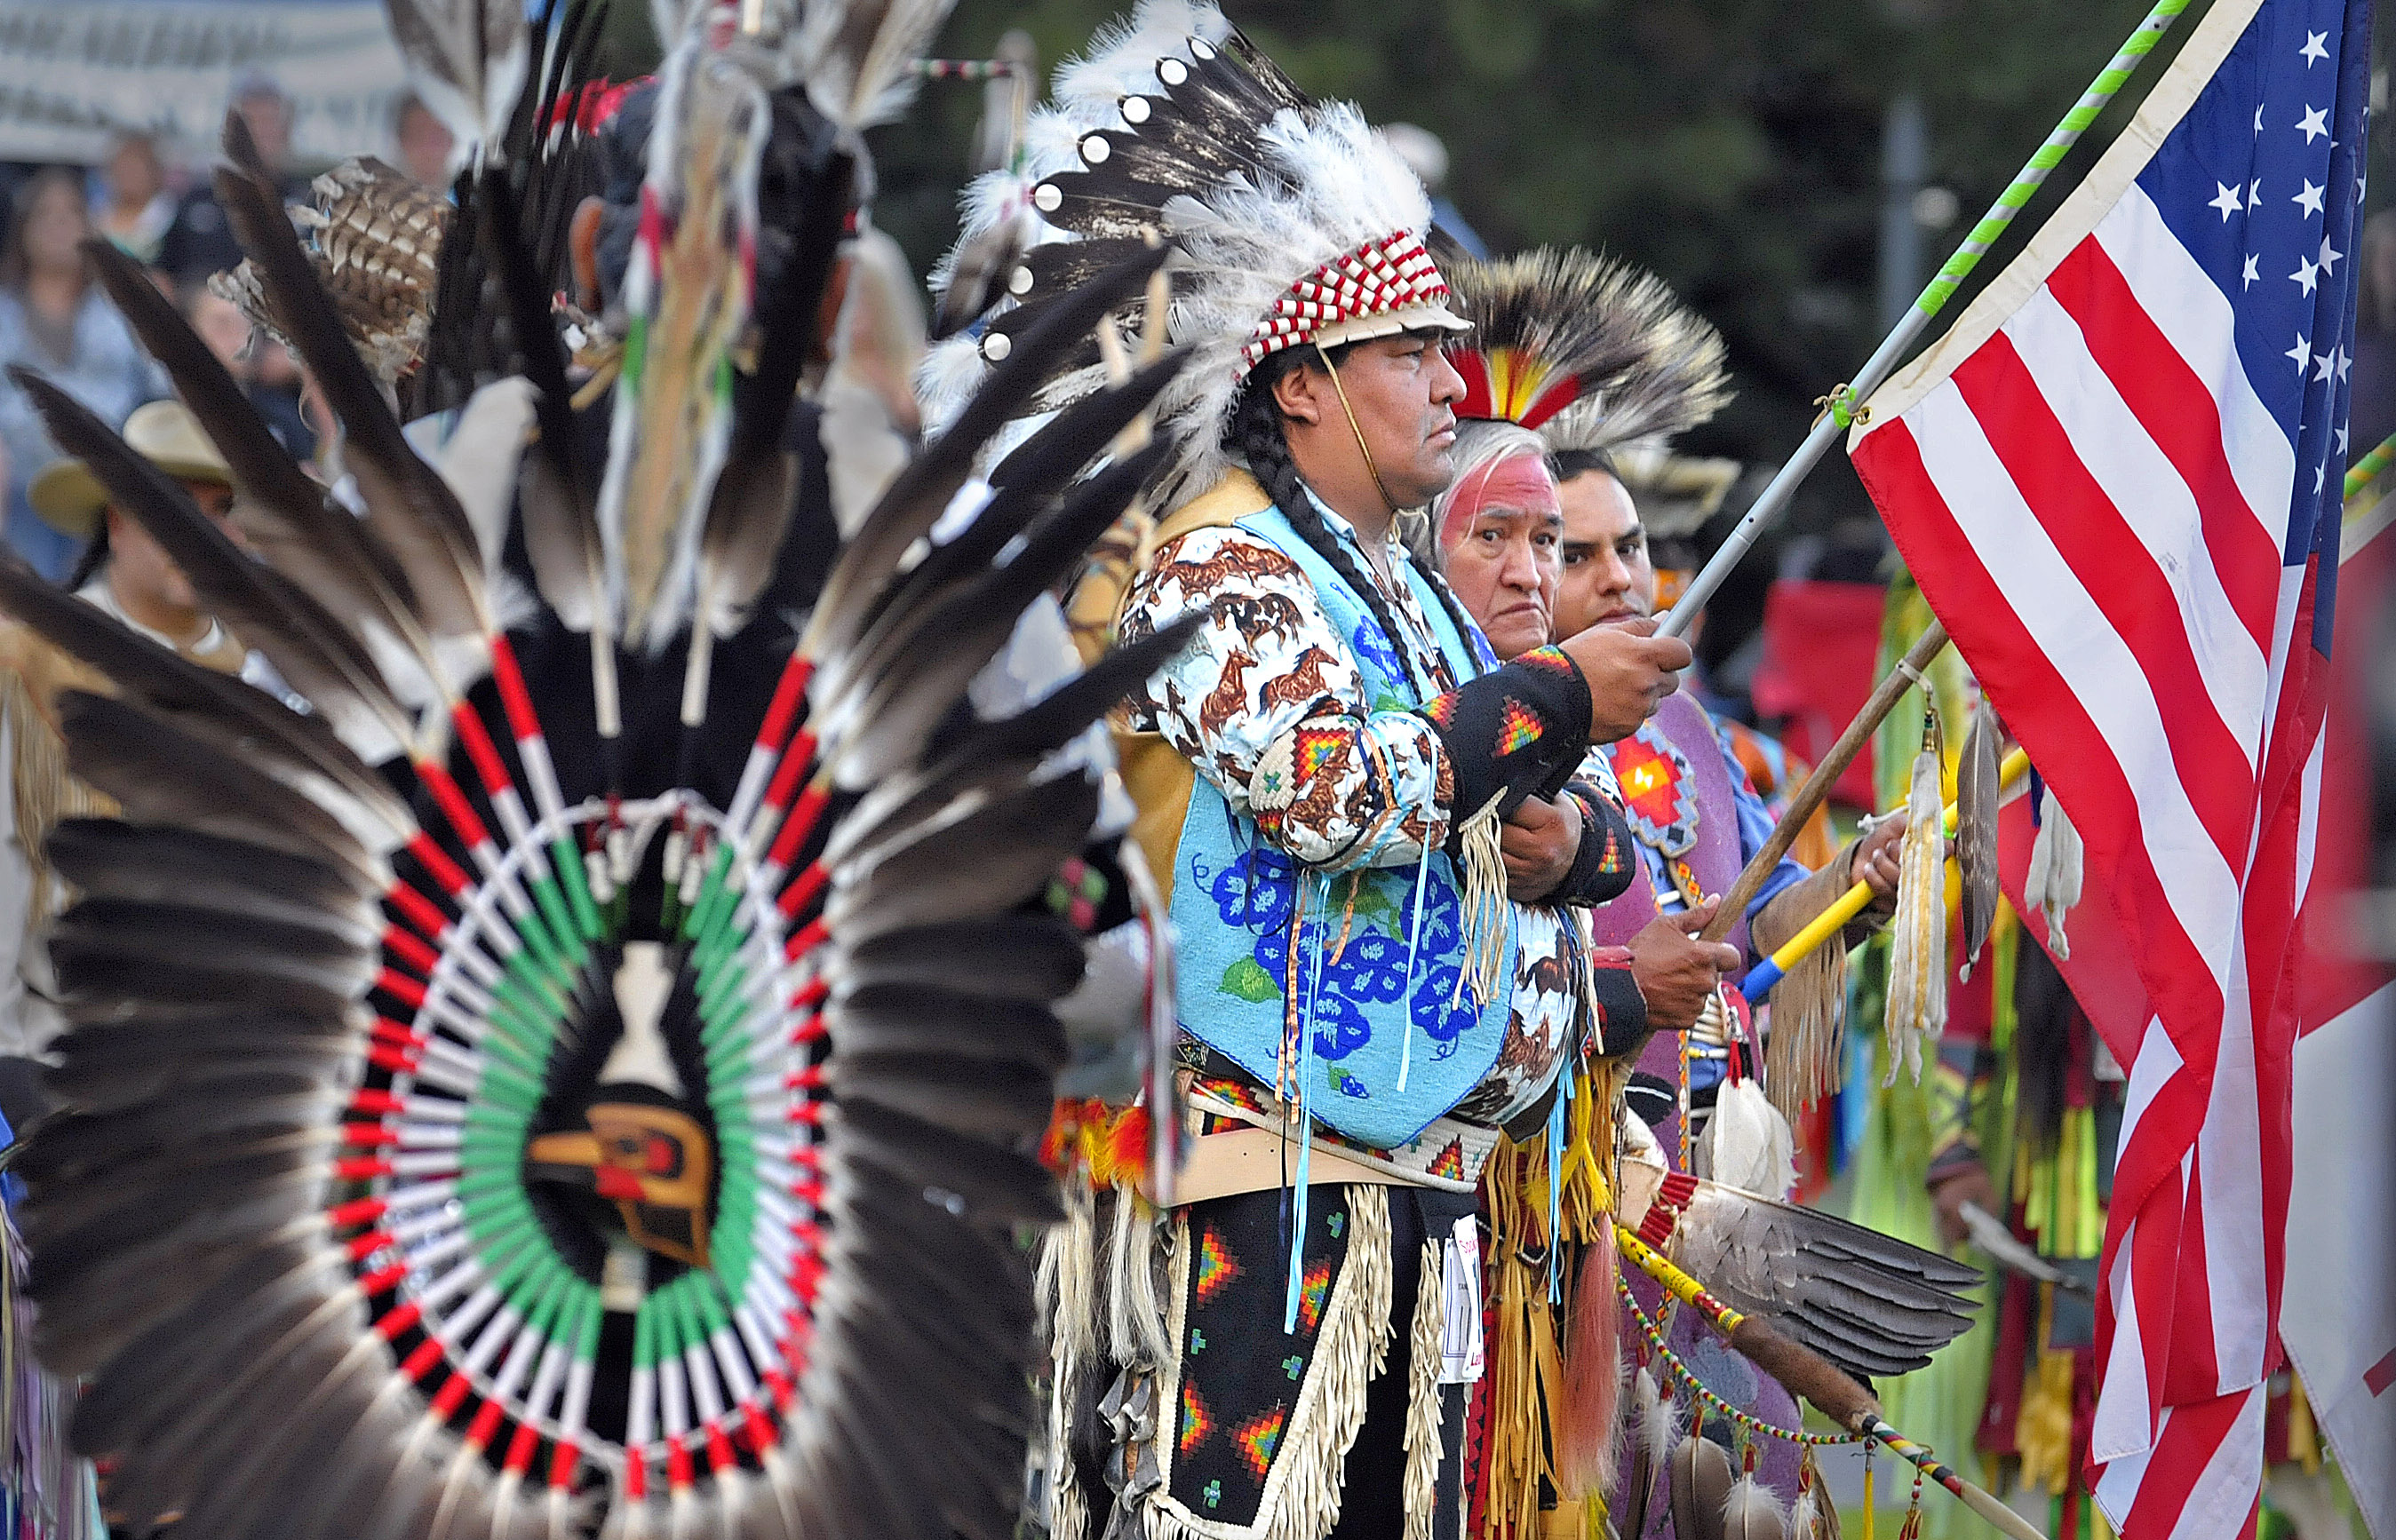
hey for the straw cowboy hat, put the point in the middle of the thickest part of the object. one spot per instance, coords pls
(68, 498)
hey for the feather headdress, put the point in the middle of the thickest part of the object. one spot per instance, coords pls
(360, 1224)
(1674, 378)
(1291, 221)
(1567, 344)
(1565, 341)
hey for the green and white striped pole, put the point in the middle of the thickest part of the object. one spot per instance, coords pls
(2363, 472)
(1842, 402)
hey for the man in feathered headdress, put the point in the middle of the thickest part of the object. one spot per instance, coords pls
(1357, 808)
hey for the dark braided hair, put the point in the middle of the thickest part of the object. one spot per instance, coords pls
(1255, 435)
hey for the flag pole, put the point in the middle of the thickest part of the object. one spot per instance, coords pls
(1840, 406)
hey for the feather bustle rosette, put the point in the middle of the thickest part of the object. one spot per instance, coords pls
(374, 236)
(458, 1150)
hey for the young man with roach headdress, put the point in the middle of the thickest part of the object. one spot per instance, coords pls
(1356, 807)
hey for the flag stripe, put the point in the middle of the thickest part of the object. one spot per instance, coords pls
(2064, 671)
(2200, 325)
(2180, 417)
(2129, 588)
(2113, 480)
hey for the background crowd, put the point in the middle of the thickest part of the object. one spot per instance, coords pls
(54, 318)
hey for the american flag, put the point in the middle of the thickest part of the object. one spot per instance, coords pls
(2116, 479)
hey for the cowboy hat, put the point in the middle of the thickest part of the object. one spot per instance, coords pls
(68, 498)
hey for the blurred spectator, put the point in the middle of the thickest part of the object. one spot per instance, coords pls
(55, 320)
(140, 207)
(200, 242)
(2372, 415)
(1426, 156)
(424, 142)
(228, 334)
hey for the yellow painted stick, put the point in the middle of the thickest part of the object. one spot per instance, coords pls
(1764, 974)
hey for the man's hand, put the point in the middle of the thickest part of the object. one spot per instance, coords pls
(1676, 972)
(1965, 1184)
(1629, 670)
(1538, 840)
(1873, 861)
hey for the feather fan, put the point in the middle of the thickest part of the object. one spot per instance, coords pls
(329, 1231)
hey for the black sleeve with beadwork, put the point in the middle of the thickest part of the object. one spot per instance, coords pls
(1519, 732)
(1603, 866)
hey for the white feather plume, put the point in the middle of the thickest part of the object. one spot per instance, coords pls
(2056, 858)
(1752, 1147)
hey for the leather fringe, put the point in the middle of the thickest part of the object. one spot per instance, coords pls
(1422, 1393)
(1485, 970)
(1301, 1496)
(1066, 1285)
(1805, 1057)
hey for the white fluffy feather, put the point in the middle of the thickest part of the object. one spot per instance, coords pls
(1752, 1147)
(1753, 1512)
(2055, 871)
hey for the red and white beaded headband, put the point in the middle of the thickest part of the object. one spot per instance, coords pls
(1381, 288)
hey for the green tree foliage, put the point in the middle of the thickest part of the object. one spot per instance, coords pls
(1732, 145)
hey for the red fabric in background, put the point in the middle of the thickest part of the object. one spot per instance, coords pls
(1821, 642)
